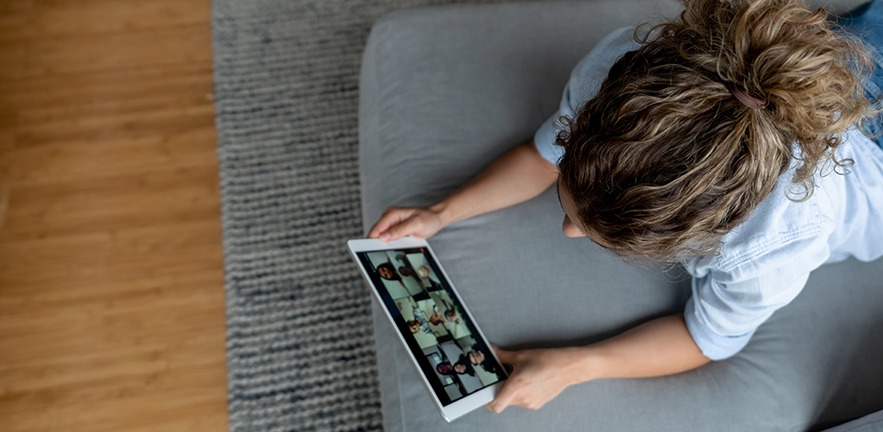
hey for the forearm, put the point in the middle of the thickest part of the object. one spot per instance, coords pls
(657, 348)
(517, 176)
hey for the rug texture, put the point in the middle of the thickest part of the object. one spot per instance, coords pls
(300, 350)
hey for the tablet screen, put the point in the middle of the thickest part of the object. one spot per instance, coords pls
(453, 356)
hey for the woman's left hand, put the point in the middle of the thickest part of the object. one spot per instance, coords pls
(538, 376)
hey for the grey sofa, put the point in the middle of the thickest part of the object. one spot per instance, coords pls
(446, 90)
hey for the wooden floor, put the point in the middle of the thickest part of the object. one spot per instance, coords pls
(111, 277)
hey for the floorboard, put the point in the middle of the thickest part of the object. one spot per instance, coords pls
(111, 266)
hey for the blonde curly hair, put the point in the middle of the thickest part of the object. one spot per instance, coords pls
(665, 160)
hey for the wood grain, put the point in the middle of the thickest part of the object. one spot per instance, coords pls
(111, 271)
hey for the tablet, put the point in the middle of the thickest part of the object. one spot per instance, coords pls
(445, 345)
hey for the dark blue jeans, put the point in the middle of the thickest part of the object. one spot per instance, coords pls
(866, 22)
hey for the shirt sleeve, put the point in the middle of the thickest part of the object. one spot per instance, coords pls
(544, 139)
(584, 82)
(730, 302)
(722, 318)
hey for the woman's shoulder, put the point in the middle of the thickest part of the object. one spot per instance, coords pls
(614, 45)
(785, 226)
(782, 227)
(592, 70)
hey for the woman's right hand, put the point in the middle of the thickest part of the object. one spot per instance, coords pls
(398, 222)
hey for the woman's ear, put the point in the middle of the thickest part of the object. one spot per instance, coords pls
(569, 229)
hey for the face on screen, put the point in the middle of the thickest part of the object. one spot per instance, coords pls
(430, 317)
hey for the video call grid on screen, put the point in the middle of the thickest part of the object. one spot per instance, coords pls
(427, 312)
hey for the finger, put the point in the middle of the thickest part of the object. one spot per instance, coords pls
(506, 357)
(382, 223)
(504, 398)
(390, 218)
(401, 229)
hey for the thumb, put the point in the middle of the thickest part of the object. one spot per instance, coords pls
(504, 397)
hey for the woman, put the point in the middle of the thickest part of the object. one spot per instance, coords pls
(726, 140)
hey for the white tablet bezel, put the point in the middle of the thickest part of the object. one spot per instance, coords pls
(467, 403)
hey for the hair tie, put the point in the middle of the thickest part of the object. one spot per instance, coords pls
(748, 101)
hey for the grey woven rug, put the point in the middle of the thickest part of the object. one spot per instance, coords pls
(299, 339)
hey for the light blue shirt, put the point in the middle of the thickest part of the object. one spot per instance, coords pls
(762, 264)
